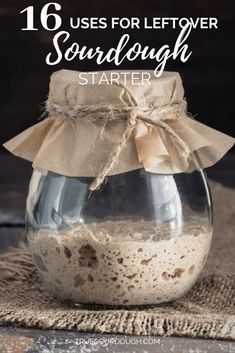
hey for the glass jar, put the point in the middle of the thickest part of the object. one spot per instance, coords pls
(119, 210)
(142, 238)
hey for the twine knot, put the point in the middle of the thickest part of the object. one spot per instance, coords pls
(151, 116)
(134, 116)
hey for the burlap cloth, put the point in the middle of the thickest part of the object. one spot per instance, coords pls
(208, 310)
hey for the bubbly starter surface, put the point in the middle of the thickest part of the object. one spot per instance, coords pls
(122, 262)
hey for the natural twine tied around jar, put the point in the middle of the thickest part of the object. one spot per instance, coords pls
(155, 117)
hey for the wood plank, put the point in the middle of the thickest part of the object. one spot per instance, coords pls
(38, 341)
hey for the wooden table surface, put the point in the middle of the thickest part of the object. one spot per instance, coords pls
(14, 179)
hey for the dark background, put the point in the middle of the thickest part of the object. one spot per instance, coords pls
(208, 75)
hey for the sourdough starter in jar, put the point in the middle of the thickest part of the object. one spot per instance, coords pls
(122, 262)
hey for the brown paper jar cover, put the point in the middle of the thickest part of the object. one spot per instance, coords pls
(80, 146)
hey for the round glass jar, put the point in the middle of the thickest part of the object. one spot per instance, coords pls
(142, 238)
